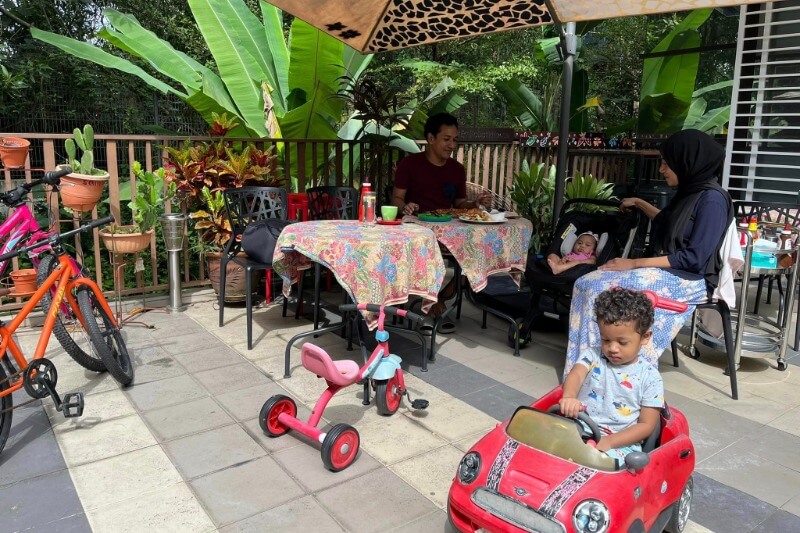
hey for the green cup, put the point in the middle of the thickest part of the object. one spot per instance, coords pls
(389, 212)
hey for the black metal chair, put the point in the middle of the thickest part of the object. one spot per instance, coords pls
(246, 205)
(327, 203)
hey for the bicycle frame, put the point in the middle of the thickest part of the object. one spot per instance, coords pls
(65, 281)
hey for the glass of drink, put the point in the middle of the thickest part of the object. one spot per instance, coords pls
(369, 200)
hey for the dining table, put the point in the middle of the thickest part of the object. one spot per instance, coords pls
(480, 249)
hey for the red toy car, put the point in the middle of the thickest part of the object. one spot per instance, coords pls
(536, 472)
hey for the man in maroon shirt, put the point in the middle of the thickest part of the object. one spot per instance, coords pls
(432, 179)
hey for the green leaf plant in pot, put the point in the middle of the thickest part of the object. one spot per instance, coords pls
(81, 190)
(200, 172)
(146, 205)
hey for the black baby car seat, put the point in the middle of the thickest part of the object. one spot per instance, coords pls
(617, 232)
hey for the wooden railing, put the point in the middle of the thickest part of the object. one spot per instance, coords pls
(304, 163)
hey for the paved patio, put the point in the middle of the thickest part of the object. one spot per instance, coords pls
(181, 450)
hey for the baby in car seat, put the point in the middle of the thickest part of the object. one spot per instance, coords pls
(583, 252)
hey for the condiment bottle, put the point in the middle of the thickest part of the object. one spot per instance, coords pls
(785, 260)
(365, 188)
(743, 226)
(753, 228)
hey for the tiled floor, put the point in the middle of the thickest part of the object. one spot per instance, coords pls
(181, 449)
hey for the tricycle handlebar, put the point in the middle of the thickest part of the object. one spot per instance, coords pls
(386, 309)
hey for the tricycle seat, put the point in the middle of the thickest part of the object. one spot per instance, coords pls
(317, 360)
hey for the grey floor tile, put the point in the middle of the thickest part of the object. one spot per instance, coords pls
(779, 521)
(76, 523)
(218, 356)
(21, 504)
(153, 363)
(30, 437)
(244, 404)
(187, 418)
(773, 445)
(298, 516)
(388, 497)
(456, 379)
(711, 429)
(435, 522)
(232, 377)
(738, 467)
(305, 464)
(723, 509)
(213, 450)
(195, 340)
(235, 493)
(165, 392)
(499, 401)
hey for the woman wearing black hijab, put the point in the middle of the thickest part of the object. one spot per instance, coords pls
(682, 261)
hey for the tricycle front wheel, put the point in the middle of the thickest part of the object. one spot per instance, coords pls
(388, 395)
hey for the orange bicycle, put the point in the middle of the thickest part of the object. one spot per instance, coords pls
(39, 377)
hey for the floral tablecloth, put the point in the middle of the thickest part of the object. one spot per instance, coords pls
(484, 249)
(374, 263)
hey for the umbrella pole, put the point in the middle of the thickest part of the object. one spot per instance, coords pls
(567, 48)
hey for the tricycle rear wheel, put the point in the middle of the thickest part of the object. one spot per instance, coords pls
(271, 410)
(340, 447)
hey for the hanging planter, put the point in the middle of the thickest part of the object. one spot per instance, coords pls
(81, 192)
(122, 239)
(24, 282)
(14, 151)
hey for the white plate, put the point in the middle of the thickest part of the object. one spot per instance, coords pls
(468, 221)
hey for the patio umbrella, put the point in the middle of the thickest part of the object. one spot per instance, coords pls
(372, 26)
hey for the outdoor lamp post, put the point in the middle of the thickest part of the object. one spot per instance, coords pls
(172, 225)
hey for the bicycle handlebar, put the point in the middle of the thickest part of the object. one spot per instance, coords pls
(52, 177)
(58, 237)
(372, 308)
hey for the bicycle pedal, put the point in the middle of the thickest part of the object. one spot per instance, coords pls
(72, 406)
(420, 404)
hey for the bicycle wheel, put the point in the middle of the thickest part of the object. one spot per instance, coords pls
(106, 337)
(67, 329)
(6, 402)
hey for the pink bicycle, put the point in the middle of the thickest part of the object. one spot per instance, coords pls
(382, 370)
(21, 229)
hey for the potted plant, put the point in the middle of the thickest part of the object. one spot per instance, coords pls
(146, 205)
(82, 189)
(14, 151)
(200, 173)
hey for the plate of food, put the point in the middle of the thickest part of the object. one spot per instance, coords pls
(479, 216)
(435, 216)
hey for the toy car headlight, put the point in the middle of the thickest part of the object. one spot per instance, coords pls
(591, 516)
(469, 467)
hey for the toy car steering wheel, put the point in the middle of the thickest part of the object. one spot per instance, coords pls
(583, 417)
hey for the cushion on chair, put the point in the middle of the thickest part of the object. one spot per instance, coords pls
(572, 236)
(317, 361)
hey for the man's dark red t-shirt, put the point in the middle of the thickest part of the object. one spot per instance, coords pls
(431, 186)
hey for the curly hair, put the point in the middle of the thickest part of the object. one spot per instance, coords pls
(617, 305)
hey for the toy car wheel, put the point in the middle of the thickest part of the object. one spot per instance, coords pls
(680, 510)
(388, 396)
(340, 447)
(516, 330)
(695, 354)
(268, 418)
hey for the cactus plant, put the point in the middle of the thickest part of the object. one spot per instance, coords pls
(85, 141)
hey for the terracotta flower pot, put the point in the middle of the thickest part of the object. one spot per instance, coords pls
(14, 151)
(235, 281)
(126, 243)
(24, 281)
(81, 192)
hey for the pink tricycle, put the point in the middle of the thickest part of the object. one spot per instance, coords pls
(382, 370)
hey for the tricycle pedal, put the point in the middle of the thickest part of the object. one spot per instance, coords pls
(72, 406)
(419, 403)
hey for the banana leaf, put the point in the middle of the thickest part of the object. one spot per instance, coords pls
(96, 55)
(579, 118)
(241, 65)
(524, 104)
(276, 48)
